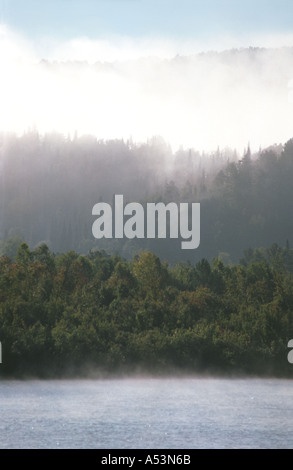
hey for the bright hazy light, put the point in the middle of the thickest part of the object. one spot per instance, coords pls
(127, 88)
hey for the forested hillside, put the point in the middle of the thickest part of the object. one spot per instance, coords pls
(73, 303)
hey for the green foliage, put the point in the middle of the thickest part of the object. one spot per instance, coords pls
(67, 313)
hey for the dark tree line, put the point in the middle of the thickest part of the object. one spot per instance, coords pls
(72, 314)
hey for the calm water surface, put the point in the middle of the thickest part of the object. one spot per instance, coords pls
(187, 413)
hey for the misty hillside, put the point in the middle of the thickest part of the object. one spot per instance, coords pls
(50, 181)
(50, 185)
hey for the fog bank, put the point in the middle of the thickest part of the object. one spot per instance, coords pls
(200, 100)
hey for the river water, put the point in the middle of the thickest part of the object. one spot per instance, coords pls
(147, 413)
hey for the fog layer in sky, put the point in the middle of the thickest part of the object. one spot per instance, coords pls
(122, 88)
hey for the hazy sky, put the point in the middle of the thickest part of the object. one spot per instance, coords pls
(170, 18)
(202, 104)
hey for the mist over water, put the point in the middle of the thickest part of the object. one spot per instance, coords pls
(146, 413)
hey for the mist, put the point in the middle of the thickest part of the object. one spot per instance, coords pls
(119, 88)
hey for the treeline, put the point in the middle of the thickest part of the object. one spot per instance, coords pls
(68, 314)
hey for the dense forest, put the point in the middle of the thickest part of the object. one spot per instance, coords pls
(70, 304)
(69, 314)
